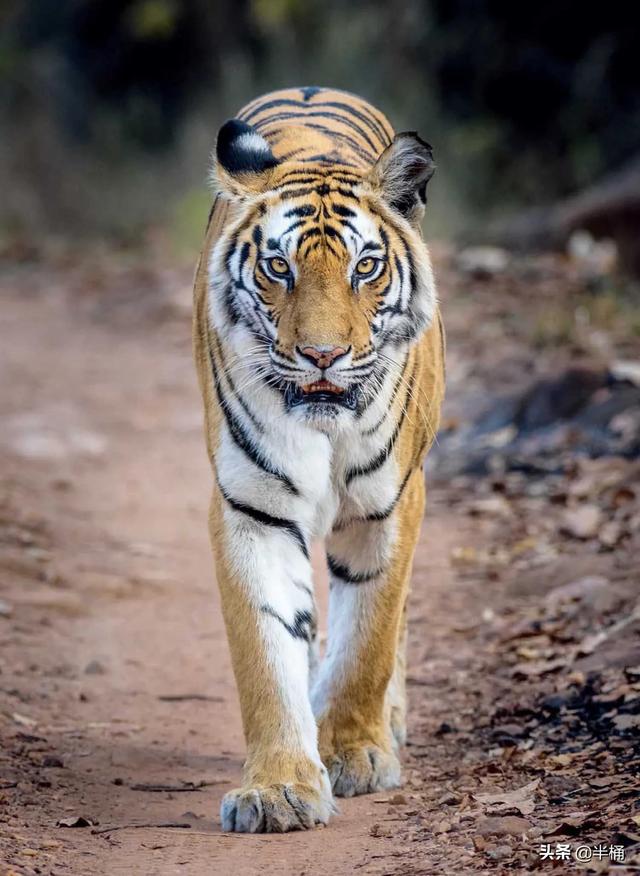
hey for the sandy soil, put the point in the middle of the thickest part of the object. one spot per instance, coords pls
(114, 670)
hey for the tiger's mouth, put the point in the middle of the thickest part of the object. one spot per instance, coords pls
(321, 392)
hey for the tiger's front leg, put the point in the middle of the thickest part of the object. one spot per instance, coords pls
(359, 695)
(264, 575)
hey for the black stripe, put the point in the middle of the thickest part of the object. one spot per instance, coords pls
(379, 460)
(350, 179)
(396, 387)
(286, 195)
(345, 574)
(267, 519)
(305, 587)
(211, 211)
(302, 626)
(336, 117)
(388, 511)
(341, 210)
(384, 136)
(299, 171)
(365, 154)
(257, 425)
(311, 179)
(323, 159)
(244, 442)
(360, 151)
(302, 210)
(330, 231)
(377, 516)
(346, 193)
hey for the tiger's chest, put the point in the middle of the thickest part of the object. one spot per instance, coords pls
(341, 476)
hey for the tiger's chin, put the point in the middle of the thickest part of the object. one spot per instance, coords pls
(322, 404)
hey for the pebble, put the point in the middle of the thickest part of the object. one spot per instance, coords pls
(94, 667)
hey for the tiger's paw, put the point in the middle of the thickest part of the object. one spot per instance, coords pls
(362, 770)
(275, 809)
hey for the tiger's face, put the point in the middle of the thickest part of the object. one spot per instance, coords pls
(324, 275)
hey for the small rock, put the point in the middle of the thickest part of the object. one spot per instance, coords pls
(511, 825)
(6, 610)
(449, 799)
(482, 261)
(94, 667)
(499, 852)
(398, 800)
(610, 534)
(50, 760)
(380, 830)
(627, 722)
(442, 827)
(626, 370)
(582, 522)
(494, 506)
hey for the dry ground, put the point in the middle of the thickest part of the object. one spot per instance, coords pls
(117, 705)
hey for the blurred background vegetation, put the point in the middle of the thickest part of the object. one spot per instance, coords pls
(109, 108)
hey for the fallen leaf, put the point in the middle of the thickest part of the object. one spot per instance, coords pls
(75, 821)
(23, 720)
(537, 668)
(521, 800)
(561, 760)
(589, 644)
(574, 823)
(581, 589)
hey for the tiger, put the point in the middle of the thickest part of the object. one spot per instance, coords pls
(319, 349)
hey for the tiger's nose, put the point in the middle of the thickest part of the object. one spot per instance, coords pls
(324, 355)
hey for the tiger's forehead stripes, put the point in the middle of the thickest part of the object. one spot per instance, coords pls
(321, 222)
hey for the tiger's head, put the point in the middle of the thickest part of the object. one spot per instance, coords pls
(322, 265)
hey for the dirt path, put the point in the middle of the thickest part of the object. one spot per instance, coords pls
(114, 606)
(108, 610)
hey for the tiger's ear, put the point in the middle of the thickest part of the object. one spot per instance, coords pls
(243, 160)
(402, 172)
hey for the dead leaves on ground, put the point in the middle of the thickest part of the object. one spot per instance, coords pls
(521, 801)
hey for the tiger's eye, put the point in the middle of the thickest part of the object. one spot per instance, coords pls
(365, 266)
(279, 266)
